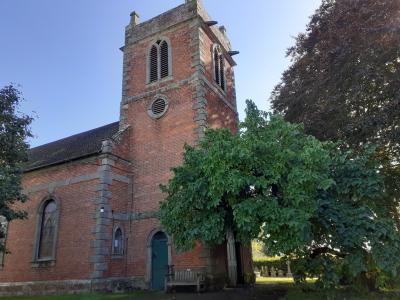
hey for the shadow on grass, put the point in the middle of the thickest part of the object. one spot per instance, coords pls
(139, 295)
(285, 289)
(265, 289)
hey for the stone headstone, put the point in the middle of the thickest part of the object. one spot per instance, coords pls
(273, 272)
(289, 272)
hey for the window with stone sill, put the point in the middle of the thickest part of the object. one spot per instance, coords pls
(118, 242)
(46, 232)
(3, 237)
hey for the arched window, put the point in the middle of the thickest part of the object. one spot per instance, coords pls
(118, 242)
(159, 61)
(219, 66)
(47, 234)
(3, 236)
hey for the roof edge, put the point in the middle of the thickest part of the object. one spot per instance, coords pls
(61, 162)
(73, 135)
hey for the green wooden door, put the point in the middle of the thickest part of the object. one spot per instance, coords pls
(159, 261)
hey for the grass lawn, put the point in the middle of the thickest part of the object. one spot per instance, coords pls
(290, 291)
(279, 280)
(133, 295)
(266, 289)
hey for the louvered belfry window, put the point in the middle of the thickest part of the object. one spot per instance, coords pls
(159, 61)
(153, 64)
(219, 67)
(216, 66)
(221, 72)
(164, 64)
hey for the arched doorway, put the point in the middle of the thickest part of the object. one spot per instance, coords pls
(159, 260)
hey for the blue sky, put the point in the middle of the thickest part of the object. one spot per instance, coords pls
(65, 54)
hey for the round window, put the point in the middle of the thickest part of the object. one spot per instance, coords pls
(158, 107)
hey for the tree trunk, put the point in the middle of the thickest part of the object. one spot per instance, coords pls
(368, 281)
(231, 255)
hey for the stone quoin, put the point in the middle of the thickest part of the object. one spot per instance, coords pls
(93, 197)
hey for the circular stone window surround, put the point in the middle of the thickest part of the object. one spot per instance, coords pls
(151, 107)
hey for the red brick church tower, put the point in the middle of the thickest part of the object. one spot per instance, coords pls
(94, 197)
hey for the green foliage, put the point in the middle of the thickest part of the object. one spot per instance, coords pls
(14, 129)
(309, 200)
(344, 83)
(307, 293)
(249, 278)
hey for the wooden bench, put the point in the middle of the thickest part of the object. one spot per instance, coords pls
(184, 278)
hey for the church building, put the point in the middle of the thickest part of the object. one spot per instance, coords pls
(93, 197)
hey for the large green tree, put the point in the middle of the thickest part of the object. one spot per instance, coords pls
(344, 81)
(14, 129)
(303, 198)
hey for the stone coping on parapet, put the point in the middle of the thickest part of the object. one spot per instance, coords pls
(190, 10)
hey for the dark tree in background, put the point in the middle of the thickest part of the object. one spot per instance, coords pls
(14, 129)
(344, 81)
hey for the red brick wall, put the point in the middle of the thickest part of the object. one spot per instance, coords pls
(219, 114)
(157, 145)
(60, 172)
(120, 202)
(179, 38)
(122, 148)
(74, 231)
(137, 246)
